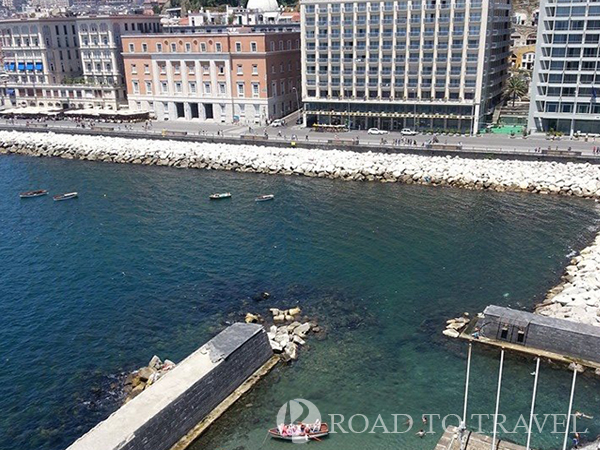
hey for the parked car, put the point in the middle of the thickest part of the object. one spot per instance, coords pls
(278, 123)
(408, 132)
(377, 131)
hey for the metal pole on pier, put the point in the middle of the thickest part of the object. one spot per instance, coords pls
(498, 399)
(463, 425)
(570, 409)
(535, 382)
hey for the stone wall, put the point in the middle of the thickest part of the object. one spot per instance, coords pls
(162, 414)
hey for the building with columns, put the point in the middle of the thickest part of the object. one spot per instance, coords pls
(67, 62)
(424, 64)
(225, 74)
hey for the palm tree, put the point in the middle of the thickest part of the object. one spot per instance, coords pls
(516, 86)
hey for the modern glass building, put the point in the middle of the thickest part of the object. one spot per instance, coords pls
(424, 64)
(566, 76)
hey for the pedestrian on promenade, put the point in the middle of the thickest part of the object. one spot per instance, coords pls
(306, 138)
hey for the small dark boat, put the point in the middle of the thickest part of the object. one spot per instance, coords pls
(264, 198)
(220, 196)
(31, 194)
(67, 196)
(292, 432)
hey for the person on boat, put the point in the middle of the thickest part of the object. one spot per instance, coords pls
(421, 433)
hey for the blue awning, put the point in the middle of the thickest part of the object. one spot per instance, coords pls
(21, 66)
(11, 66)
(29, 66)
(39, 66)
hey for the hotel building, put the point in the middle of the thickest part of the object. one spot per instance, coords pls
(67, 62)
(226, 74)
(424, 64)
(566, 77)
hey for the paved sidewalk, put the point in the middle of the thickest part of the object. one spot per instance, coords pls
(494, 143)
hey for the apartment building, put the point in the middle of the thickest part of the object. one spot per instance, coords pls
(424, 64)
(566, 76)
(246, 75)
(68, 62)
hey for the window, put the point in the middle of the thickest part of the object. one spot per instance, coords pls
(238, 47)
(176, 69)
(221, 69)
(158, 48)
(136, 87)
(520, 336)
(205, 69)
(253, 47)
(148, 87)
(254, 69)
(173, 47)
(255, 90)
(131, 48)
(218, 47)
(504, 333)
(162, 68)
(191, 68)
(240, 69)
(164, 88)
(207, 88)
(240, 89)
(192, 87)
(222, 88)
(188, 47)
(145, 48)
(203, 47)
(146, 69)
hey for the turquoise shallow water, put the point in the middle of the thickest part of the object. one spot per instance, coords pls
(143, 263)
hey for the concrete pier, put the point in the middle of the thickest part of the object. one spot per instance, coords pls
(170, 409)
(451, 441)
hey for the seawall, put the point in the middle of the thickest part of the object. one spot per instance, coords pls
(169, 409)
(572, 179)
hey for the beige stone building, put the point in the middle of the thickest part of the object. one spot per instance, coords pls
(67, 62)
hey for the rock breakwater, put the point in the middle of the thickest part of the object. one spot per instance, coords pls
(577, 297)
(576, 179)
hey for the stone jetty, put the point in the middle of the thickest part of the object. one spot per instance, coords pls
(575, 179)
(577, 297)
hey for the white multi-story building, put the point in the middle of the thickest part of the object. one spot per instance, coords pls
(566, 76)
(68, 62)
(428, 64)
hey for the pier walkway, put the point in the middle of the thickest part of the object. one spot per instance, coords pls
(475, 441)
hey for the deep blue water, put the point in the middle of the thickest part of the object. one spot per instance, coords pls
(143, 263)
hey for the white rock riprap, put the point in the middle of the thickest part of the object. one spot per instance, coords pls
(577, 179)
(577, 298)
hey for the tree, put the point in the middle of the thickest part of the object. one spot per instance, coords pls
(516, 86)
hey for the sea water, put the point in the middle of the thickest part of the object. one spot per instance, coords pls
(142, 263)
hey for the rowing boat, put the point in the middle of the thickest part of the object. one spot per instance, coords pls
(264, 198)
(31, 194)
(220, 196)
(67, 196)
(302, 436)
